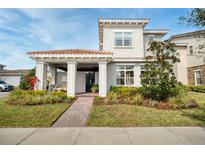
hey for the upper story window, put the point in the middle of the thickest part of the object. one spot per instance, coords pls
(191, 50)
(198, 79)
(123, 39)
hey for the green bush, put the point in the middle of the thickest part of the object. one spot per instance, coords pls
(112, 98)
(99, 100)
(137, 99)
(178, 102)
(28, 81)
(155, 92)
(158, 79)
(37, 97)
(95, 88)
(125, 91)
(200, 88)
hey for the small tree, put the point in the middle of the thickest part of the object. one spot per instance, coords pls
(196, 17)
(28, 81)
(158, 81)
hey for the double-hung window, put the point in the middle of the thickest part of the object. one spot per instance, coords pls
(198, 80)
(125, 75)
(123, 39)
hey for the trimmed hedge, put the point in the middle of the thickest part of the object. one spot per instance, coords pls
(125, 91)
(37, 97)
(197, 88)
(134, 96)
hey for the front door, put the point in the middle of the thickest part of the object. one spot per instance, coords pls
(90, 79)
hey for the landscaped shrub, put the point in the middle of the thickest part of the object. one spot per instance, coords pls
(158, 80)
(125, 91)
(95, 88)
(112, 98)
(99, 100)
(178, 102)
(36, 97)
(28, 81)
(200, 88)
(137, 99)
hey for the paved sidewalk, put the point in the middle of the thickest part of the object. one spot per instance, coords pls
(103, 135)
(77, 114)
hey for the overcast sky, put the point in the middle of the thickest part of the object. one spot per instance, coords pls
(23, 30)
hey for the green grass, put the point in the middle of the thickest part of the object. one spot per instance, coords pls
(130, 115)
(30, 116)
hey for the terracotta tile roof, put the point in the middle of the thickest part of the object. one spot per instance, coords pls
(70, 51)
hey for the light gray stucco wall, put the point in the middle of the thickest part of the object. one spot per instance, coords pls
(137, 49)
(111, 75)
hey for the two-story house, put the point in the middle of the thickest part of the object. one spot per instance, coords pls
(191, 69)
(119, 60)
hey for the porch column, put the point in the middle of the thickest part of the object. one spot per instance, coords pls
(41, 75)
(102, 79)
(137, 73)
(71, 78)
(52, 71)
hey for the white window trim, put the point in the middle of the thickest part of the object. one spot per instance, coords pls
(195, 80)
(125, 84)
(124, 47)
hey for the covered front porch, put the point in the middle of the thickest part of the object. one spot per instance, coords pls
(75, 70)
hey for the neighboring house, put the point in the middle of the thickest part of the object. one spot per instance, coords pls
(12, 77)
(119, 60)
(191, 69)
(1, 67)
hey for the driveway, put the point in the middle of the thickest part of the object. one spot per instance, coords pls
(4, 94)
(103, 135)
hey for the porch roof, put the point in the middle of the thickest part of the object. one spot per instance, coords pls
(70, 54)
(69, 51)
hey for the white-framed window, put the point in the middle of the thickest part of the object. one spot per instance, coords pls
(142, 69)
(150, 38)
(125, 74)
(191, 51)
(123, 39)
(197, 76)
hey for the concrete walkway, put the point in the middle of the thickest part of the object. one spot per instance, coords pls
(103, 135)
(77, 114)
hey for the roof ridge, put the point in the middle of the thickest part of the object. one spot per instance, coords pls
(156, 29)
(125, 18)
(186, 33)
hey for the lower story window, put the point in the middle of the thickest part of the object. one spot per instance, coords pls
(198, 79)
(125, 75)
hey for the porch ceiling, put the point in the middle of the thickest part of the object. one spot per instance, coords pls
(80, 66)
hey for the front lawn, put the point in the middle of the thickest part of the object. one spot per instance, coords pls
(30, 116)
(130, 115)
